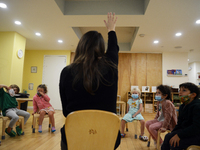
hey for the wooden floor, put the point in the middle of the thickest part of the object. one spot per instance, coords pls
(51, 141)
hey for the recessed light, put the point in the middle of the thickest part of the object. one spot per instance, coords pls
(18, 22)
(178, 34)
(188, 60)
(2, 5)
(198, 22)
(156, 41)
(60, 41)
(141, 35)
(38, 34)
(178, 47)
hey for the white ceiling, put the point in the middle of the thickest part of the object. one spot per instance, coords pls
(162, 19)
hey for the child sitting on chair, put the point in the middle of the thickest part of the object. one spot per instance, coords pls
(8, 105)
(166, 113)
(187, 130)
(41, 102)
(134, 108)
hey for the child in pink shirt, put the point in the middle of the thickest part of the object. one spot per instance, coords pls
(41, 103)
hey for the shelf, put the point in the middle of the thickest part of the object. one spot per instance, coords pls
(175, 75)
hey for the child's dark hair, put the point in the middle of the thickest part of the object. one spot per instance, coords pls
(43, 86)
(164, 89)
(191, 87)
(15, 86)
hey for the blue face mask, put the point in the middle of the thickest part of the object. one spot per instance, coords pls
(158, 98)
(135, 96)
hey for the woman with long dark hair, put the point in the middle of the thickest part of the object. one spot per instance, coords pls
(90, 82)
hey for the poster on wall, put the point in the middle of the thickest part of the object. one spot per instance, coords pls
(134, 86)
(145, 88)
(174, 72)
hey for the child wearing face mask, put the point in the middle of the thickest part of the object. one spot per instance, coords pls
(8, 105)
(134, 108)
(41, 103)
(166, 117)
(187, 130)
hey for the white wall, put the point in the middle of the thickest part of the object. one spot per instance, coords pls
(193, 72)
(174, 60)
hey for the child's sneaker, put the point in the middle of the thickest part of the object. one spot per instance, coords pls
(40, 129)
(11, 134)
(143, 138)
(18, 130)
(53, 129)
(123, 135)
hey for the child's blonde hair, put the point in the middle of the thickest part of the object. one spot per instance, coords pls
(136, 89)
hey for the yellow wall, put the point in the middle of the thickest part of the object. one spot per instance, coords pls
(35, 58)
(11, 67)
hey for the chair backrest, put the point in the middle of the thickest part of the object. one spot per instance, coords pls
(193, 147)
(91, 130)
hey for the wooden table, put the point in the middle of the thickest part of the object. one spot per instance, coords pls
(123, 104)
(22, 100)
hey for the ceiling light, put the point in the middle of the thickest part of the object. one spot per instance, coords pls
(141, 35)
(18, 22)
(198, 22)
(2, 5)
(188, 60)
(38, 34)
(156, 42)
(60, 41)
(178, 47)
(178, 34)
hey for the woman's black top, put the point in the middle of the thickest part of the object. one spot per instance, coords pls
(78, 98)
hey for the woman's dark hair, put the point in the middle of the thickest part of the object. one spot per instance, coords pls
(89, 60)
(164, 89)
(43, 86)
(191, 87)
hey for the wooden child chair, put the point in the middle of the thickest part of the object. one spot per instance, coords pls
(35, 118)
(91, 129)
(5, 119)
(135, 126)
(158, 139)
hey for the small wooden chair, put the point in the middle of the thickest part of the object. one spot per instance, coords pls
(193, 147)
(135, 126)
(35, 117)
(5, 119)
(158, 139)
(91, 130)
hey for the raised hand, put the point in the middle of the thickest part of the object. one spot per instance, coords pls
(111, 21)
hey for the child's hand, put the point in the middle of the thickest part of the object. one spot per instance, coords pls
(33, 113)
(162, 129)
(133, 116)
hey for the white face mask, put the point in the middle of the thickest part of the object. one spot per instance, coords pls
(11, 92)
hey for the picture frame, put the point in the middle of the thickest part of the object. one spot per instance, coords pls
(134, 86)
(153, 89)
(34, 69)
(145, 88)
(30, 86)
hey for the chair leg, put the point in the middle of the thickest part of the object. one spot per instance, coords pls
(148, 144)
(22, 124)
(158, 140)
(135, 129)
(127, 127)
(34, 121)
(49, 125)
(3, 128)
